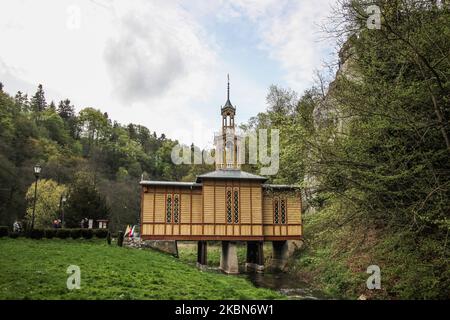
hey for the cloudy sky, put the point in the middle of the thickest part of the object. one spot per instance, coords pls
(164, 63)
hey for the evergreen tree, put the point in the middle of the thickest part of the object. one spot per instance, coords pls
(38, 103)
(84, 201)
(65, 110)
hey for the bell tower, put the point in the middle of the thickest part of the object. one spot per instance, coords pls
(227, 146)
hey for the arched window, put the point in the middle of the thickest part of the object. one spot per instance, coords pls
(173, 208)
(276, 211)
(169, 208)
(236, 205)
(283, 210)
(176, 208)
(229, 213)
(279, 210)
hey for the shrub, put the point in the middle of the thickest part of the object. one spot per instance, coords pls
(63, 233)
(101, 233)
(37, 234)
(75, 233)
(3, 231)
(50, 233)
(14, 235)
(120, 238)
(87, 233)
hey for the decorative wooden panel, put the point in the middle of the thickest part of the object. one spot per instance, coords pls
(220, 204)
(185, 208)
(256, 205)
(294, 209)
(148, 207)
(208, 230)
(267, 210)
(160, 205)
(197, 208)
(245, 214)
(185, 229)
(208, 204)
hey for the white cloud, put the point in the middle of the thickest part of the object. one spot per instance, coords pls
(154, 62)
(290, 31)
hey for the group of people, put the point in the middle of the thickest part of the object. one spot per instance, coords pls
(84, 223)
(57, 224)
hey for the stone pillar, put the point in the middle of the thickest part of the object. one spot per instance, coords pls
(280, 255)
(282, 251)
(202, 258)
(255, 256)
(228, 258)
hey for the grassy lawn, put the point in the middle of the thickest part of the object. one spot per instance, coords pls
(36, 269)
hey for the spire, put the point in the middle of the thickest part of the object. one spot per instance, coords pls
(228, 103)
(228, 89)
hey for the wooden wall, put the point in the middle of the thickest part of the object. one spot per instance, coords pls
(203, 215)
(293, 223)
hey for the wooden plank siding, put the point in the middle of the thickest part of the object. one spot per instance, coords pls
(203, 213)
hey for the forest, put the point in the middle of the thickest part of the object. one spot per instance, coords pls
(83, 155)
(369, 145)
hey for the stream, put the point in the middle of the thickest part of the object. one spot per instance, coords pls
(286, 284)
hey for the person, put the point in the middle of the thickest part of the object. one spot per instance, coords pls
(82, 223)
(17, 227)
(59, 226)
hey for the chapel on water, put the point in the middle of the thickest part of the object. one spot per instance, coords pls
(228, 205)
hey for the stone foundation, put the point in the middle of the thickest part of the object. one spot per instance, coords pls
(255, 256)
(228, 258)
(167, 246)
(282, 251)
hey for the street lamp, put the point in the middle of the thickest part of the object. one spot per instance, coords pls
(63, 201)
(37, 171)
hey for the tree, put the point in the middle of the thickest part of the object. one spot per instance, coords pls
(38, 103)
(94, 125)
(47, 202)
(84, 201)
(67, 112)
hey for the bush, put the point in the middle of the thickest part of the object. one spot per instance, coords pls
(14, 235)
(120, 239)
(37, 234)
(101, 233)
(63, 233)
(75, 233)
(108, 238)
(87, 233)
(50, 233)
(3, 231)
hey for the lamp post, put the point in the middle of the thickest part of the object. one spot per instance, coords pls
(37, 171)
(63, 201)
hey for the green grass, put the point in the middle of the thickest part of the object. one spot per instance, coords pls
(36, 269)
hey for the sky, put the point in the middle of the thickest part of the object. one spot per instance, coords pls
(163, 63)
